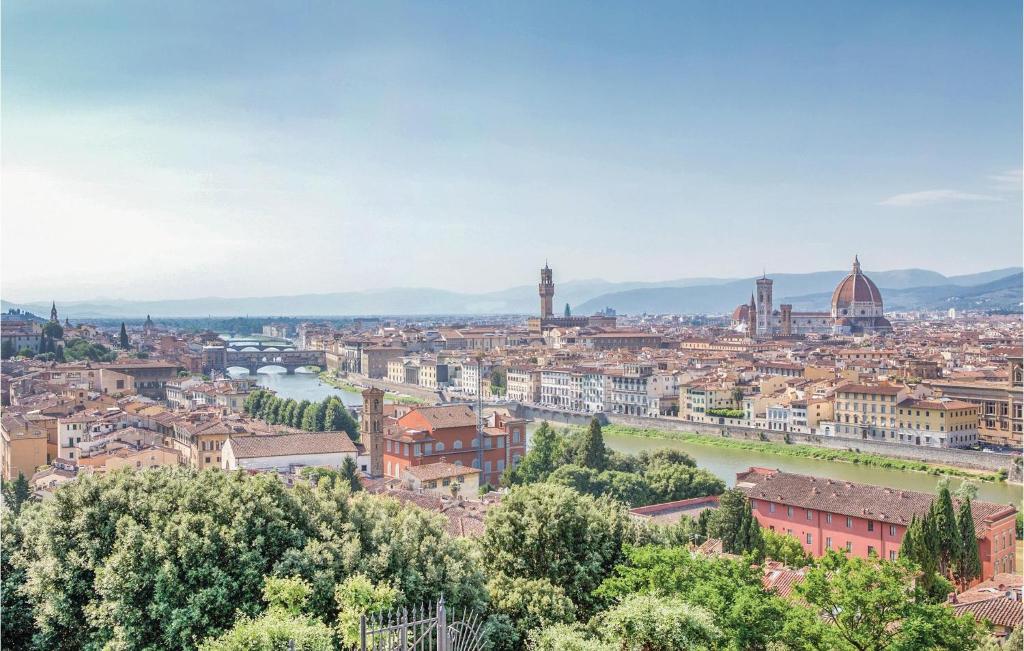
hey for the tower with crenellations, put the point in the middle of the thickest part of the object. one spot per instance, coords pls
(546, 289)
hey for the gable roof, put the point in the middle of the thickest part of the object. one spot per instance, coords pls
(854, 499)
(279, 445)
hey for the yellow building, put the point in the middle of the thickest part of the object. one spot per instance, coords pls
(867, 411)
(940, 422)
(22, 446)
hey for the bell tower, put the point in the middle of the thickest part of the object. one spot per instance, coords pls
(764, 306)
(371, 429)
(546, 289)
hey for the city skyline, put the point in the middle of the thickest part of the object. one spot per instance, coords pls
(300, 150)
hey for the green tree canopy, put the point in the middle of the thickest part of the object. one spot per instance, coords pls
(543, 531)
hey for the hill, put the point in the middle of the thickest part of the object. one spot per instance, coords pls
(683, 295)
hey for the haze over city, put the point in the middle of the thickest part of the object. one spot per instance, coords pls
(334, 147)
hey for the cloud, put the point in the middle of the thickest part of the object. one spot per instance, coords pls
(931, 197)
(1009, 180)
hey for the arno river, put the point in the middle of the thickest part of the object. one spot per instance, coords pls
(723, 462)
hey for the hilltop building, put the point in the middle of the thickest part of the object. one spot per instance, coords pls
(856, 309)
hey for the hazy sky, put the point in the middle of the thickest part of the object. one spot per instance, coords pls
(176, 149)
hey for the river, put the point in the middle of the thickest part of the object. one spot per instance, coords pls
(723, 462)
(303, 385)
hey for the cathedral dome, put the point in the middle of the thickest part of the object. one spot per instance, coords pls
(856, 296)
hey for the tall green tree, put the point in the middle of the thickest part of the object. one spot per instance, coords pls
(735, 524)
(540, 460)
(967, 564)
(946, 534)
(349, 473)
(122, 338)
(7, 349)
(300, 414)
(592, 453)
(16, 493)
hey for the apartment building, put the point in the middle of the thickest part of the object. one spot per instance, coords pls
(863, 519)
(938, 423)
(523, 383)
(868, 411)
(22, 446)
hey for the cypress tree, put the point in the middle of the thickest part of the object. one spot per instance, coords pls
(123, 337)
(593, 453)
(967, 566)
(947, 535)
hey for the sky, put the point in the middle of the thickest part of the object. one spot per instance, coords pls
(185, 149)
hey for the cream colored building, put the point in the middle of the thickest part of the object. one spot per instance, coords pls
(22, 446)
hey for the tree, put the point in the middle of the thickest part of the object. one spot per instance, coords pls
(309, 419)
(539, 461)
(53, 330)
(543, 531)
(785, 549)
(568, 312)
(7, 349)
(731, 590)
(27, 353)
(283, 626)
(123, 340)
(669, 482)
(300, 414)
(166, 558)
(530, 603)
(358, 596)
(645, 622)
(349, 473)
(16, 493)
(734, 523)
(592, 452)
(16, 624)
(947, 535)
(967, 564)
(737, 396)
(873, 604)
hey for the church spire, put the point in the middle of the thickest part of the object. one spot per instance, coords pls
(53, 313)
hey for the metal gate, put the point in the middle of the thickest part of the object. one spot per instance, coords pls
(423, 628)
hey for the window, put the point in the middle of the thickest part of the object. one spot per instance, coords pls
(810, 539)
(892, 555)
(789, 511)
(810, 514)
(771, 507)
(871, 525)
(828, 543)
(439, 447)
(457, 445)
(849, 546)
(892, 530)
(849, 522)
(828, 518)
(753, 505)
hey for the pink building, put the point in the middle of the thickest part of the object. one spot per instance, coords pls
(828, 514)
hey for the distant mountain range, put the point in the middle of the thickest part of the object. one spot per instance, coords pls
(902, 289)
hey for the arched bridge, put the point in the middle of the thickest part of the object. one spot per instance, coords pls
(287, 359)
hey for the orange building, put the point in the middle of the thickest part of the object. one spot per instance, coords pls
(864, 519)
(449, 432)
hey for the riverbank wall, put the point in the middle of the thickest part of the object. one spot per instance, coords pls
(410, 390)
(972, 459)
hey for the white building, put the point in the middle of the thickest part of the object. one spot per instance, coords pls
(284, 452)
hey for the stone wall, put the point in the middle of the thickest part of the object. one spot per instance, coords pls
(964, 458)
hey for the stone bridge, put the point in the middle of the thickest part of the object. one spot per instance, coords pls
(289, 360)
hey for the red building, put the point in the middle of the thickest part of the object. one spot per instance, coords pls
(449, 432)
(863, 519)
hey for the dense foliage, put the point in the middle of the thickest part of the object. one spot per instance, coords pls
(79, 349)
(168, 558)
(328, 415)
(944, 545)
(581, 461)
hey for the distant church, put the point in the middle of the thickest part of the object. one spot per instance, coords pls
(856, 309)
(548, 320)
